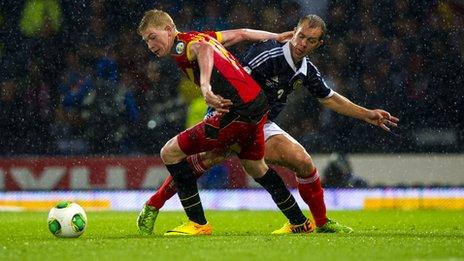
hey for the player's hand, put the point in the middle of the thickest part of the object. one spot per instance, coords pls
(220, 104)
(382, 118)
(285, 36)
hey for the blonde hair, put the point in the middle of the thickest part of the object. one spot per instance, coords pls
(313, 21)
(155, 18)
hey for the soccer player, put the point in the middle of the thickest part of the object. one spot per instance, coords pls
(280, 68)
(241, 108)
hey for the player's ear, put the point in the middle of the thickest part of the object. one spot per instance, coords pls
(321, 42)
(168, 28)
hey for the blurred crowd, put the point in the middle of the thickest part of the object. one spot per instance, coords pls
(76, 78)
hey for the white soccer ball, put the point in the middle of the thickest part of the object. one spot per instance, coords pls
(67, 219)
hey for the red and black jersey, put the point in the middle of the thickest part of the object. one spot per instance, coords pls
(229, 79)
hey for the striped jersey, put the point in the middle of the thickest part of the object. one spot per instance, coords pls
(271, 65)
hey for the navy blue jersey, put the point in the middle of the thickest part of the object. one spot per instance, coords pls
(270, 64)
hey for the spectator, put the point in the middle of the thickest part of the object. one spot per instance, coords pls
(38, 111)
(39, 16)
(339, 174)
(407, 55)
(12, 120)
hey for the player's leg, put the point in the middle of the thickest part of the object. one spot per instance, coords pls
(194, 141)
(200, 163)
(175, 160)
(273, 183)
(251, 157)
(147, 216)
(283, 150)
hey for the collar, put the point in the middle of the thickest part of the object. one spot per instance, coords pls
(288, 57)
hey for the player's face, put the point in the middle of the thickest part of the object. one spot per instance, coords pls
(304, 41)
(158, 40)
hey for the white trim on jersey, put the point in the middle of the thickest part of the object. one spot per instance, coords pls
(331, 93)
(268, 57)
(264, 56)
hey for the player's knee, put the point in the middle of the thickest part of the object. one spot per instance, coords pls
(218, 159)
(209, 159)
(256, 169)
(164, 153)
(168, 153)
(303, 164)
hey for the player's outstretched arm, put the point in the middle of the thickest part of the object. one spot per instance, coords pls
(377, 117)
(234, 36)
(203, 53)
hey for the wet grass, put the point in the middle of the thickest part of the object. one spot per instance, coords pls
(239, 235)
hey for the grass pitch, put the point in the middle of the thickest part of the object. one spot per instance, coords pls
(239, 235)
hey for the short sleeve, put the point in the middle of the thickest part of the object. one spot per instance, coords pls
(316, 84)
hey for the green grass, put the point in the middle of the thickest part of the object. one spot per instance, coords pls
(239, 235)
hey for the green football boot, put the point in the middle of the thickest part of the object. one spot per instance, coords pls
(333, 226)
(146, 220)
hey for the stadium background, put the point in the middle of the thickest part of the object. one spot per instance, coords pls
(85, 108)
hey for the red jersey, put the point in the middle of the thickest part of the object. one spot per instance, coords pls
(241, 88)
(243, 124)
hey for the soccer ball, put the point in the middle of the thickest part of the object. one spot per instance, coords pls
(67, 219)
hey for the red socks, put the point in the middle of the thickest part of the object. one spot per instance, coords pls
(312, 193)
(165, 192)
(168, 189)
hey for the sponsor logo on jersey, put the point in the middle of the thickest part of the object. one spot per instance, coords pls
(180, 47)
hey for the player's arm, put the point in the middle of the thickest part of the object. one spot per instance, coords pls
(343, 105)
(203, 53)
(234, 36)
